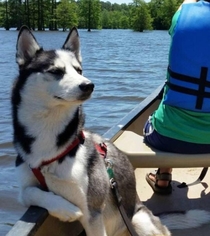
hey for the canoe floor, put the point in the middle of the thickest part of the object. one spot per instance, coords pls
(196, 196)
(193, 197)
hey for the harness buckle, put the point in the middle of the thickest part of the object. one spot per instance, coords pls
(112, 183)
(109, 163)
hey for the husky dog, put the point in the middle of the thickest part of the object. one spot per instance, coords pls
(49, 138)
(57, 154)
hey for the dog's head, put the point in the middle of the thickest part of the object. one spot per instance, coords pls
(54, 76)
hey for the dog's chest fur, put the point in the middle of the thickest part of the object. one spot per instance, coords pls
(50, 131)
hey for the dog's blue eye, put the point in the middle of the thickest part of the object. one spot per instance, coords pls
(57, 71)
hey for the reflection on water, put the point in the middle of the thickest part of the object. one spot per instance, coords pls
(125, 67)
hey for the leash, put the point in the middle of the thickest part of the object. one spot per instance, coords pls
(118, 200)
(102, 149)
(37, 171)
(200, 178)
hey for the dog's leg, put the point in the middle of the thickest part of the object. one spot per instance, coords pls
(94, 226)
(56, 205)
(69, 190)
(92, 222)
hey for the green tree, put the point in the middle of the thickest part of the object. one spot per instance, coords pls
(105, 19)
(155, 7)
(162, 12)
(2, 10)
(106, 6)
(141, 18)
(115, 16)
(169, 7)
(90, 11)
(90, 14)
(11, 16)
(4, 21)
(115, 19)
(124, 22)
(52, 16)
(67, 14)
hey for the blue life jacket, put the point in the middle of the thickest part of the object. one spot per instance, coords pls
(189, 61)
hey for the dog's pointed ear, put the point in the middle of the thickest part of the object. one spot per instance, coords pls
(26, 46)
(72, 43)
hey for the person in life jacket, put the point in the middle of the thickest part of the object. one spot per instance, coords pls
(181, 122)
(189, 68)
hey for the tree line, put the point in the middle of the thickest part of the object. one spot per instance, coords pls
(88, 14)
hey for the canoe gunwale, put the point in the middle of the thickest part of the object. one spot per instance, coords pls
(114, 132)
(30, 222)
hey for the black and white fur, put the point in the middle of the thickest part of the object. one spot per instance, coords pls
(47, 102)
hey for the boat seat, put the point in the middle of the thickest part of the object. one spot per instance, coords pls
(143, 156)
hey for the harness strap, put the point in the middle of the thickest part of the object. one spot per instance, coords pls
(40, 177)
(102, 149)
(189, 79)
(79, 139)
(37, 171)
(201, 82)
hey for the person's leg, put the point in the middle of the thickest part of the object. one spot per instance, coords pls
(166, 144)
(162, 177)
(161, 182)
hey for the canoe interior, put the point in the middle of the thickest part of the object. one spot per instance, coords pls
(54, 227)
(195, 196)
(37, 222)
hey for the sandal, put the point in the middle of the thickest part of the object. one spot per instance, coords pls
(163, 176)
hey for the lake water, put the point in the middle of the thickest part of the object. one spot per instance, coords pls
(125, 67)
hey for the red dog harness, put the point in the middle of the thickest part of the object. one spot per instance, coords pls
(101, 148)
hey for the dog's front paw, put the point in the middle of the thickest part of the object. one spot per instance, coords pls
(63, 209)
(68, 213)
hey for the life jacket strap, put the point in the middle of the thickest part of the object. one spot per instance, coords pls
(202, 83)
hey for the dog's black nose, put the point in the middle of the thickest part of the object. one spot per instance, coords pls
(86, 87)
